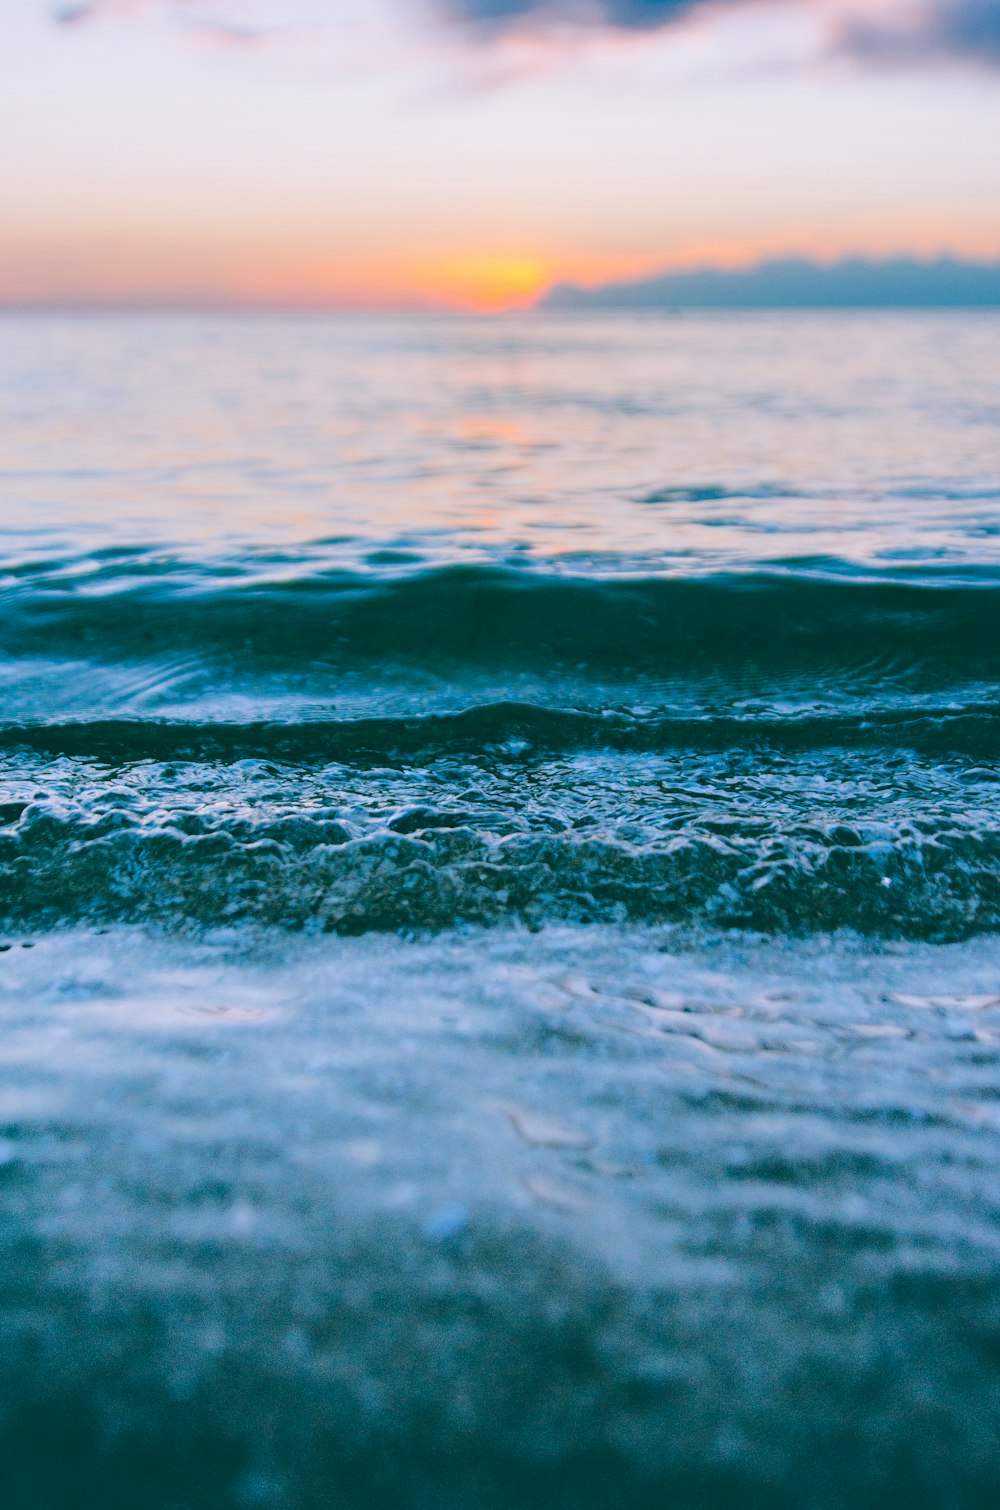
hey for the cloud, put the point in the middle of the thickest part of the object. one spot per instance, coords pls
(235, 29)
(907, 33)
(624, 15)
(938, 32)
(914, 31)
(232, 35)
(75, 15)
(483, 16)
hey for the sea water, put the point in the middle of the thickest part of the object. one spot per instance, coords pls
(500, 885)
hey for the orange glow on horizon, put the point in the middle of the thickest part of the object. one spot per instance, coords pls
(152, 275)
(487, 284)
(495, 282)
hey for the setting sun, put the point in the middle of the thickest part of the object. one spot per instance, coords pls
(488, 283)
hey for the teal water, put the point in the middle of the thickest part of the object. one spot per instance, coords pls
(499, 838)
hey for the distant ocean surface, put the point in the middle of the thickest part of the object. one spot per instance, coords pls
(500, 880)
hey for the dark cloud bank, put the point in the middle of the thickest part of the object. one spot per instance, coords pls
(853, 284)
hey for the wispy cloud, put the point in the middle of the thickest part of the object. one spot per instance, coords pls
(76, 14)
(231, 25)
(627, 15)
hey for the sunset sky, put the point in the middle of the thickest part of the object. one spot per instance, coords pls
(388, 153)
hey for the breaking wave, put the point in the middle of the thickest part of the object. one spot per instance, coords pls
(822, 618)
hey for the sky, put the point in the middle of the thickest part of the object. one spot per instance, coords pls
(471, 153)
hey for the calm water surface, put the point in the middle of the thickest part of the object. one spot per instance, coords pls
(500, 868)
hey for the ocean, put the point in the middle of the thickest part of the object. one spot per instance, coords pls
(500, 896)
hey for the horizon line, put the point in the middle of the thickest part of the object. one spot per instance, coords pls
(565, 295)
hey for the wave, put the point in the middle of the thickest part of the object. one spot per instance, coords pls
(917, 628)
(518, 684)
(512, 729)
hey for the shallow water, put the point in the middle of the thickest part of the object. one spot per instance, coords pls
(499, 836)
(499, 1219)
